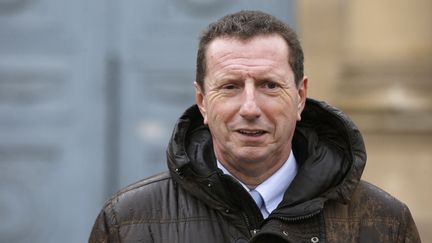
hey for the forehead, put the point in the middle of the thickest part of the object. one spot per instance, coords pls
(271, 46)
(270, 43)
(263, 54)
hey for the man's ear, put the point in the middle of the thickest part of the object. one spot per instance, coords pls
(302, 94)
(200, 101)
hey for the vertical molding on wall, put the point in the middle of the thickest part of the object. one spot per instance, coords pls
(321, 26)
(385, 75)
(112, 141)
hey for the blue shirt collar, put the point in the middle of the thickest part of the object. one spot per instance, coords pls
(273, 188)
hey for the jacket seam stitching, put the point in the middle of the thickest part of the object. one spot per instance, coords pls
(167, 221)
(358, 219)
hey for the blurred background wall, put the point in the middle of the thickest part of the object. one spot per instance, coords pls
(373, 59)
(89, 92)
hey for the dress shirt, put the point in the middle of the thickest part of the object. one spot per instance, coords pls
(273, 188)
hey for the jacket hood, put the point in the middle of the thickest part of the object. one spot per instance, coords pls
(327, 145)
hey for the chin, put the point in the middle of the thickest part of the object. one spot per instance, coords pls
(251, 157)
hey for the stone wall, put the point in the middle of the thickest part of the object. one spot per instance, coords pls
(373, 59)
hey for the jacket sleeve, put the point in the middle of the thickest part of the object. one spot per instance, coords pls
(410, 232)
(105, 228)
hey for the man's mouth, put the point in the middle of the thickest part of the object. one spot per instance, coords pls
(253, 133)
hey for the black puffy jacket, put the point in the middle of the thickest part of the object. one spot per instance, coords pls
(196, 202)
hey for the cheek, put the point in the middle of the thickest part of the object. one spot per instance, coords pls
(283, 105)
(220, 107)
(283, 114)
(220, 115)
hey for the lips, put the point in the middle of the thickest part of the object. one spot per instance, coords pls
(253, 133)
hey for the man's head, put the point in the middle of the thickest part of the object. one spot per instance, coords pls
(246, 25)
(250, 97)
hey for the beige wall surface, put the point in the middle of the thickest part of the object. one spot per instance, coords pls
(373, 59)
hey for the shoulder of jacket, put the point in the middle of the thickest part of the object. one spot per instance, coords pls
(378, 211)
(369, 202)
(373, 192)
(142, 184)
(375, 201)
(139, 190)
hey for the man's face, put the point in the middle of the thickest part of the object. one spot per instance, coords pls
(250, 103)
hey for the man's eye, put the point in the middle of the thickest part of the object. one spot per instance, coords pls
(270, 85)
(229, 86)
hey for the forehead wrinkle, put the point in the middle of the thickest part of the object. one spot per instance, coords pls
(235, 46)
(242, 65)
(239, 71)
(226, 56)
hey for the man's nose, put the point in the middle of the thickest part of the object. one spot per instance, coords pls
(249, 108)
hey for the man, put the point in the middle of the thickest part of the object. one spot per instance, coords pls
(255, 160)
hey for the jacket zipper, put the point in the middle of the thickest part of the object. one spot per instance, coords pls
(252, 230)
(298, 218)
